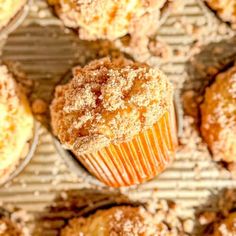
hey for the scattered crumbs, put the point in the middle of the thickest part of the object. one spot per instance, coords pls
(207, 218)
(160, 49)
(188, 225)
(39, 106)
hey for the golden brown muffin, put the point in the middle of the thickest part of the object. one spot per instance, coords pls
(107, 19)
(218, 111)
(115, 114)
(225, 9)
(218, 217)
(108, 102)
(8, 9)
(227, 227)
(8, 228)
(119, 221)
(16, 122)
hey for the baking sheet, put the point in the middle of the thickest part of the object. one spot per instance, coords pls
(46, 50)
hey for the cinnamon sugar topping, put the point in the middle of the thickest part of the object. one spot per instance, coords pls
(108, 19)
(108, 102)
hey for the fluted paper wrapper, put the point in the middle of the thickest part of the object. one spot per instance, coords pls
(46, 53)
(138, 160)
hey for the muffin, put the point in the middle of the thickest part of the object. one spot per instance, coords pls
(13, 222)
(226, 227)
(117, 117)
(220, 217)
(8, 9)
(218, 116)
(8, 228)
(121, 220)
(108, 19)
(225, 9)
(16, 123)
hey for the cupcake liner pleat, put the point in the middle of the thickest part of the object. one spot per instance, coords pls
(138, 160)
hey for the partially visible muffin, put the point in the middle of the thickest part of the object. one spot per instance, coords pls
(8, 228)
(218, 217)
(16, 122)
(226, 227)
(117, 117)
(218, 116)
(120, 220)
(108, 101)
(225, 9)
(8, 9)
(108, 19)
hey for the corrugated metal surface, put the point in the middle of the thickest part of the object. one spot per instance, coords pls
(46, 51)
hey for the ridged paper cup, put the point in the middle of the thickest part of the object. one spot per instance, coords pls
(137, 160)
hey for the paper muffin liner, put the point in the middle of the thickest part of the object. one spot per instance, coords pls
(16, 21)
(137, 160)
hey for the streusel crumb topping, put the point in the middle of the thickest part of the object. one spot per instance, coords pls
(108, 102)
(107, 19)
(120, 221)
(219, 116)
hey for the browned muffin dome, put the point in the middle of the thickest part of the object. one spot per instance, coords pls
(108, 19)
(120, 221)
(8, 9)
(225, 9)
(218, 112)
(108, 102)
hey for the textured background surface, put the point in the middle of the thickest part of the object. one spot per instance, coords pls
(46, 51)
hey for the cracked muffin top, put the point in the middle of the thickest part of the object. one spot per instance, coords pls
(108, 101)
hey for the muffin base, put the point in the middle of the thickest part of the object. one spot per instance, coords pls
(138, 160)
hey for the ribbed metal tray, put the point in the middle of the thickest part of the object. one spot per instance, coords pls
(47, 50)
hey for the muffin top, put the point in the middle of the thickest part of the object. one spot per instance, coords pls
(107, 19)
(226, 227)
(225, 9)
(16, 120)
(8, 9)
(219, 116)
(218, 216)
(108, 102)
(121, 220)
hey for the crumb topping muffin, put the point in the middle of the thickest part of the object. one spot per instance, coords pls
(218, 113)
(16, 121)
(108, 102)
(107, 19)
(8, 228)
(220, 217)
(123, 220)
(226, 227)
(225, 9)
(8, 9)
